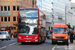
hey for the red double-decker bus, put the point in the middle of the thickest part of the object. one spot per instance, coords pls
(31, 25)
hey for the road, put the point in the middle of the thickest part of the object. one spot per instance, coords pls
(13, 45)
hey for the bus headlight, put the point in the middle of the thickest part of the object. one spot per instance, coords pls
(53, 37)
(19, 37)
(35, 37)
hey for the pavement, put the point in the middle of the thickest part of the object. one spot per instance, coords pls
(13, 45)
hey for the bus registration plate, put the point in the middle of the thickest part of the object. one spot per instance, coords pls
(27, 41)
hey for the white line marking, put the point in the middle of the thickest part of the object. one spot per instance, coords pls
(3, 47)
(54, 47)
(12, 44)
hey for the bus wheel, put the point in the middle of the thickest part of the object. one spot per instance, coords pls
(40, 40)
(22, 43)
(43, 41)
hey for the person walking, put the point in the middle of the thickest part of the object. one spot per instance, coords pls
(74, 35)
(71, 36)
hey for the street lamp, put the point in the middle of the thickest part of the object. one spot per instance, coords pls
(53, 13)
(65, 15)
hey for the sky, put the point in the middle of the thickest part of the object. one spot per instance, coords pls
(73, 1)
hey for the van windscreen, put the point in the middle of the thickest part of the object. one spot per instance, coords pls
(59, 30)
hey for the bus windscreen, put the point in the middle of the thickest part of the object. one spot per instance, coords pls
(28, 22)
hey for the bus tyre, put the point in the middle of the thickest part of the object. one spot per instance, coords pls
(40, 40)
(43, 41)
(22, 43)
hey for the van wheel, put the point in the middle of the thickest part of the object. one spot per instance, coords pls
(52, 42)
(67, 43)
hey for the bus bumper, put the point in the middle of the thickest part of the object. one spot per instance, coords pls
(34, 40)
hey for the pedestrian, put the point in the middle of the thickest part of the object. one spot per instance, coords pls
(71, 36)
(16, 35)
(69, 32)
(11, 34)
(74, 35)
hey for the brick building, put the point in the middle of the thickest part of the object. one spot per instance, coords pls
(9, 11)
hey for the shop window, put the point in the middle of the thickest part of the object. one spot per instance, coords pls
(14, 18)
(17, 8)
(1, 19)
(8, 18)
(1, 8)
(5, 8)
(8, 8)
(5, 19)
(14, 8)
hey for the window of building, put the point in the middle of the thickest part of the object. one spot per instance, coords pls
(30, 3)
(5, 8)
(14, 18)
(17, 8)
(1, 8)
(14, 28)
(33, 2)
(11, 28)
(5, 19)
(14, 8)
(1, 19)
(8, 8)
(8, 18)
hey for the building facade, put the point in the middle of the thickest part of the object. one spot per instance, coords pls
(71, 18)
(54, 11)
(9, 12)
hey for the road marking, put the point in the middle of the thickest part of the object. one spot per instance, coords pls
(3, 47)
(12, 44)
(54, 47)
(6, 46)
(65, 47)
